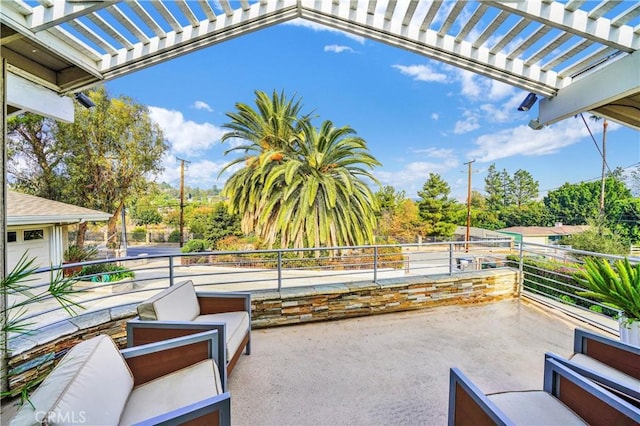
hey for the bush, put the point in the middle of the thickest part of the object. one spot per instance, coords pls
(139, 235)
(105, 272)
(75, 254)
(174, 236)
(195, 246)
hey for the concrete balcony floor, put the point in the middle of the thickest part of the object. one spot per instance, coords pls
(393, 368)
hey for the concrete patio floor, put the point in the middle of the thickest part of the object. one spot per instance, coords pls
(393, 368)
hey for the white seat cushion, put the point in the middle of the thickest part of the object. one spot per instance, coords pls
(90, 385)
(535, 408)
(606, 371)
(171, 392)
(176, 303)
(237, 326)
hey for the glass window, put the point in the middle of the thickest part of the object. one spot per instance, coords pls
(33, 234)
(12, 236)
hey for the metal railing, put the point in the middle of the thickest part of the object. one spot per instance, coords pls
(547, 273)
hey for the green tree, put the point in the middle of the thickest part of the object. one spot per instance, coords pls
(214, 223)
(35, 159)
(301, 186)
(525, 188)
(113, 148)
(599, 238)
(437, 210)
(388, 199)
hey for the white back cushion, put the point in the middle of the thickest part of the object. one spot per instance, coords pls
(90, 385)
(176, 303)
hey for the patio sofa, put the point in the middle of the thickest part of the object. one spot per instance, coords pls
(172, 382)
(567, 398)
(178, 311)
(607, 361)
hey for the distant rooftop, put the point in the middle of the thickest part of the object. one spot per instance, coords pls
(24, 209)
(542, 231)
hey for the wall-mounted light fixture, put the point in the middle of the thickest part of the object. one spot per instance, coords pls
(84, 100)
(536, 125)
(528, 102)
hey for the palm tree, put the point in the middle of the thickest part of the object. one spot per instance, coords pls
(300, 186)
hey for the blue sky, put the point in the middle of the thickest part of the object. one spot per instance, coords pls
(417, 115)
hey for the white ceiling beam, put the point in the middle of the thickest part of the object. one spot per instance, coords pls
(228, 11)
(92, 36)
(529, 41)
(603, 86)
(566, 54)
(43, 17)
(128, 24)
(574, 5)
(371, 8)
(208, 11)
(28, 96)
(391, 7)
(444, 48)
(588, 62)
(188, 13)
(408, 15)
(548, 48)
(624, 17)
(146, 18)
(472, 21)
(491, 28)
(577, 22)
(110, 30)
(430, 15)
(191, 39)
(167, 15)
(451, 17)
(510, 35)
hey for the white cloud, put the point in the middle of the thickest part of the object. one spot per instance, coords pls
(202, 174)
(421, 73)
(435, 116)
(185, 137)
(413, 175)
(319, 27)
(335, 48)
(202, 105)
(468, 124)
(524, 141)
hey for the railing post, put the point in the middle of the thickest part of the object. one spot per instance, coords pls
(375, 264)
(521, 269)
(279, 270)
(450, 258)
(170, 270)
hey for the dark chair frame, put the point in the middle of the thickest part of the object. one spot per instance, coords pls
(141, 332)
(468, 405)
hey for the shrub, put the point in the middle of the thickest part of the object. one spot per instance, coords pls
(139, 235)
(105, 272)
(195, 246)
(174, 236)
(75, 254)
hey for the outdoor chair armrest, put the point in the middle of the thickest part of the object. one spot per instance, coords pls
(153, 360)
(220, 302)
(616, 354)
(628, 392)
(214, 411)
(469, 405)
(592, 402)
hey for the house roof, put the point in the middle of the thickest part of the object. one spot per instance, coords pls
(545, 231)
(24, 209)
(479, 233)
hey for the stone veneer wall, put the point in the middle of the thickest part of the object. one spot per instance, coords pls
(31, 357)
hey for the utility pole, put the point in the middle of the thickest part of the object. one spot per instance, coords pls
(604, 165)
(468, 234)
(182, 199)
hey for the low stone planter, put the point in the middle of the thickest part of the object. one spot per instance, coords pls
(123, 285)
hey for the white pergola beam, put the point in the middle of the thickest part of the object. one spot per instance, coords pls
(28, 96)
(606, 85)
